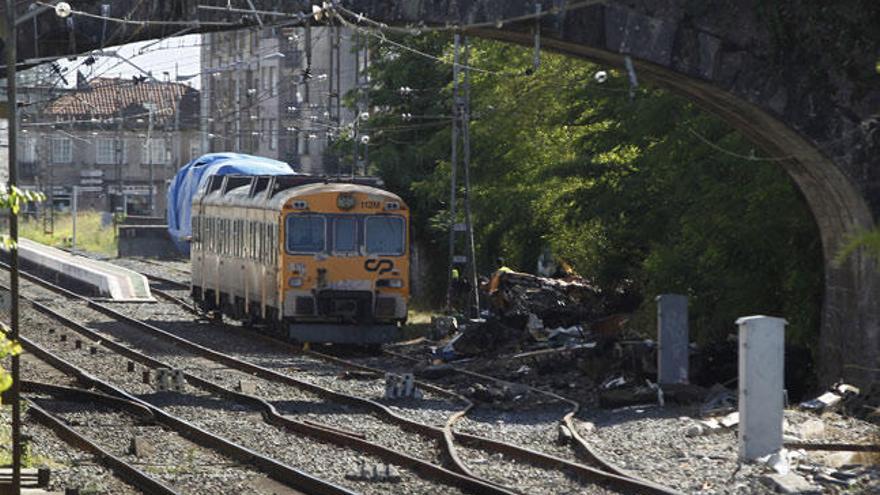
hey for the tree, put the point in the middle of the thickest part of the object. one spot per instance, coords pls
(626, 190)
(12, 199)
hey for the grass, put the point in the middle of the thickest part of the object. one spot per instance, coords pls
(418, 322)
(91, 236)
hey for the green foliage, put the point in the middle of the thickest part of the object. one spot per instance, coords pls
(868, 240)
(12, 198)
(7, 348)
(624, 190)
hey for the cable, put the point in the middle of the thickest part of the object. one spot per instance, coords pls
(737, 155)
(145, 22)
(382, 38)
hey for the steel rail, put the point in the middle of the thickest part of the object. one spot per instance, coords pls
(120, 468)
(283, 473)
(581, 445)
(608, 472)
(444, 434)
(270, 413)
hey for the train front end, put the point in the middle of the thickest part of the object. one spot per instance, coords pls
(345, 264)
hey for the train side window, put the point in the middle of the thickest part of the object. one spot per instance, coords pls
(233, 226)
(250, 240)
(261, 242)
(237, 237)
(241, 239)
(224, 237)
(229, 238)
(274, 245)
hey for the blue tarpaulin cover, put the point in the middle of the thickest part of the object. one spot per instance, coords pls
(194, 175)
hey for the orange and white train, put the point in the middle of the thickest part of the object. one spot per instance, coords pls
(314, 259)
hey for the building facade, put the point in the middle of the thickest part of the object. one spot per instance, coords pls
(277, 92)
(119, 141)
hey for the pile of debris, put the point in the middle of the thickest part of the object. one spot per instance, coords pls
(555, 302)
(528, 313)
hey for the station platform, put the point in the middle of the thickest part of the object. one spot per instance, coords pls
(95, 277)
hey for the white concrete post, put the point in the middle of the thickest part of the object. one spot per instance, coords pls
(672, 338)
(73, 207)
(761, 355)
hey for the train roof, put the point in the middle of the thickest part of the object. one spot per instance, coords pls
(272, 192)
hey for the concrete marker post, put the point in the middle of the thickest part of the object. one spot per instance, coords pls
(761, 373)
(672, 339)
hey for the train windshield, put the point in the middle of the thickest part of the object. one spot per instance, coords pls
(305, 233)
(371, 235)
(384, 235)
(345, 234)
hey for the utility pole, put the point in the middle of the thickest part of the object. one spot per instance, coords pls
(12, 117)
(74, 213)
(149, 146)
(366, 103)
(357, 113)
(238, 129)
(453, 163)
(333, 40)
(466, 141)
(119, 156)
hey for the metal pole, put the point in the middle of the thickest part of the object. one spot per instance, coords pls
(466, 142)
(357, 87)
(119, 156)
(73, 208)
(150, 159)
(453, 163)
(366, 95)
(11, 103)
(238, 127)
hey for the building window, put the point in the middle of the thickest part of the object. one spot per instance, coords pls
(273, 136)
(273, 83)
(153, 151)
(303, 143)
(105, 151)
(62, 151)
(195, 147)
(28, 150)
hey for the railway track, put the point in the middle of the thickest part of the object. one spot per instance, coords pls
(572, 475)
(209, 392)
(106, 426)
(292, 481)
(553, 457)
(558, 458)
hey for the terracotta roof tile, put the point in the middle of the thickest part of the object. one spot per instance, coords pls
(105, 97)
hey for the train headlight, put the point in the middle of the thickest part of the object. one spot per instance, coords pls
(394, 283)
(295, 281)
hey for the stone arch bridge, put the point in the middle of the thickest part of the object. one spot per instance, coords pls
(801, 78)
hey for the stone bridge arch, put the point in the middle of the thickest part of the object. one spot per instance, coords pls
(797, 77)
